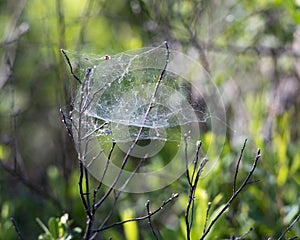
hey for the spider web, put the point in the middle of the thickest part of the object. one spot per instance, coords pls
(119, 90)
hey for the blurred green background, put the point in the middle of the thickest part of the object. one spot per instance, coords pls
(251, 50)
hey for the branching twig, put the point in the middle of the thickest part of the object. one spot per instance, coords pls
(149, 219)
(174, 195)
(193, 183)
(234, 195)
(103, 175)
(117, 195)
(290, 227)
(86, 97)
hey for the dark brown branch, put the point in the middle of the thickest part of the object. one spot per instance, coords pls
(187, 172)
(117, 195)
(149, 219)
(66, 122)
(196, 161)
(246, 233)
(81, 192)
(85, 196)
(193, 183)
(206, 216)
(290, 227)
(103, 175)
(234, 195)
(174, 195)
(81, 156)
(70, 65)
(292, 238)
(16, 228)
(238, 165)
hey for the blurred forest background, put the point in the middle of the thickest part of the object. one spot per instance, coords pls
(251, 50)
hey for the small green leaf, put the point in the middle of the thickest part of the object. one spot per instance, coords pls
(53, 227)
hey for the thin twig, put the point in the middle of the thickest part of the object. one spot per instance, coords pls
(290, 227)
(70, 65)
(149, 219)
(174, 195)
(81, 192)
(82, 153)
(196, 161)
(292, 238)
(206, 216)
(81, 156)
(245, 234)
(119, 193)
(87, 192)
(186, 161)
(16, 228)
(103, 175)
(234, 195)
(193, 182)
(66, 122)
(238, 165)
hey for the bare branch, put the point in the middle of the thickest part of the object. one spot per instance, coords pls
(193, 183)
(117, 195)
(245, 234)
(206, 216)
(66, 122)
(103, 175)
(81, 192)
(186, 161)
(290, 227)
(70, 65)
(83, 140)
(238, 165)
(16, 228)
(149, 219)
(234, 195)
(174, 195)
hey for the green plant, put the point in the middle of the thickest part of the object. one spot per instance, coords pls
(59, 228)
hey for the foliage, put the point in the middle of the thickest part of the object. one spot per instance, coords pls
(59, 228)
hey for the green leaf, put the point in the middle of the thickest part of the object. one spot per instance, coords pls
(53, 227)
